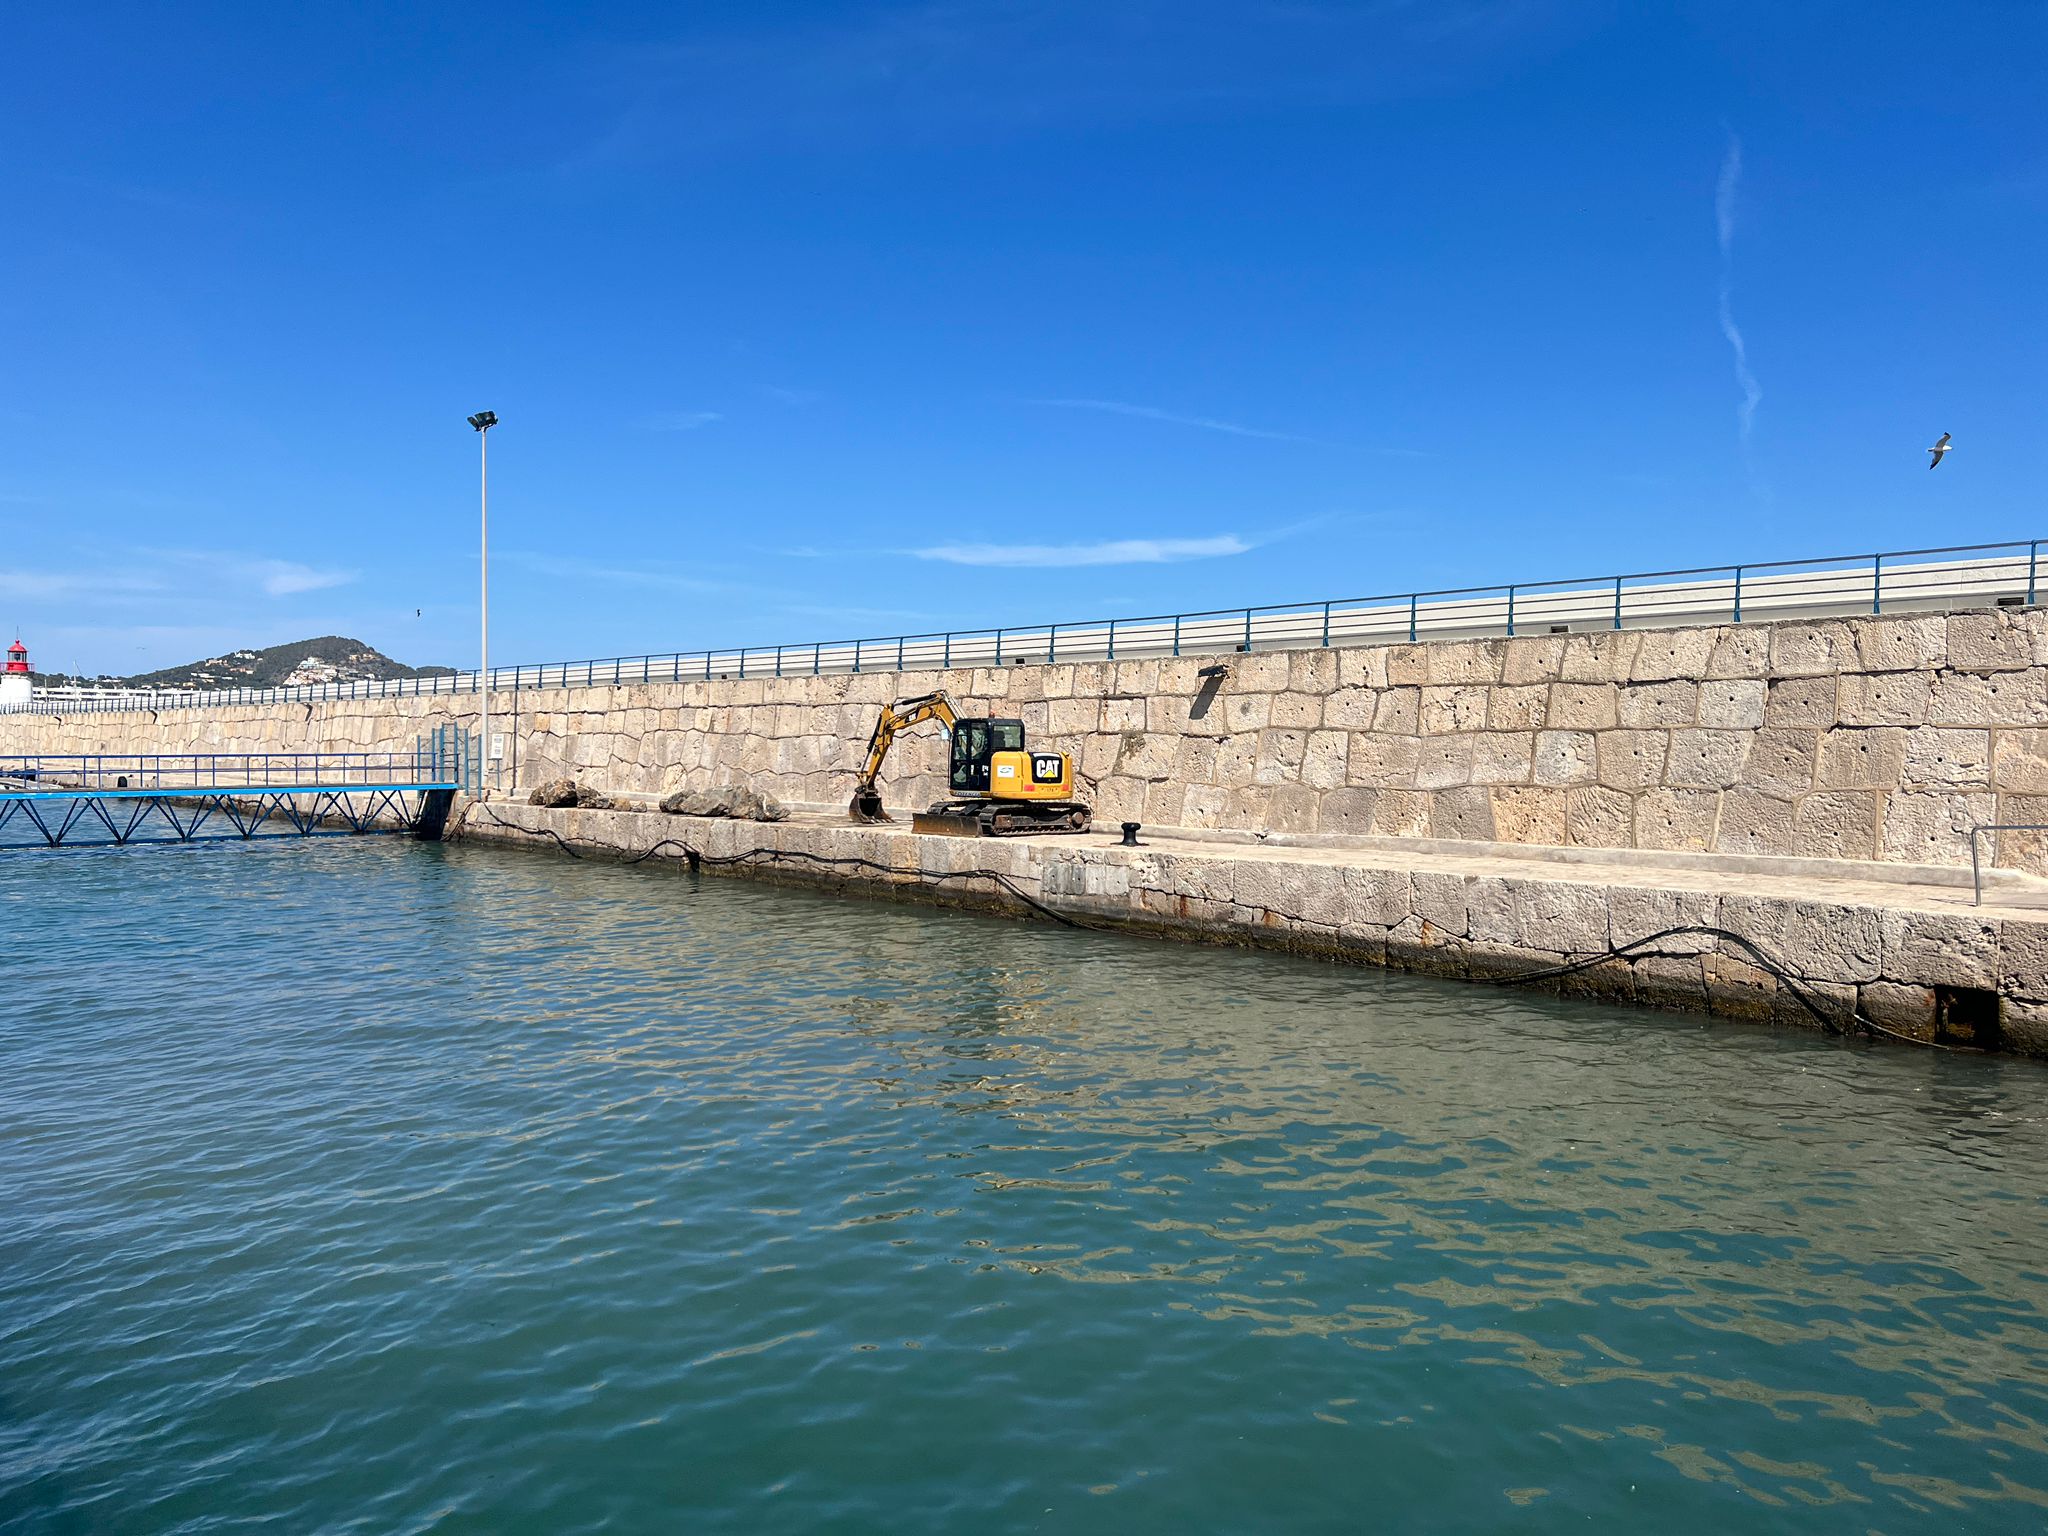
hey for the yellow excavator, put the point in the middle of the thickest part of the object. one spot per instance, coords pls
(1000, 787)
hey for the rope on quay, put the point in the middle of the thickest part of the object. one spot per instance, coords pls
(1634, 949)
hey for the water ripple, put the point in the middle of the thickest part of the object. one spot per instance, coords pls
(368, 1187)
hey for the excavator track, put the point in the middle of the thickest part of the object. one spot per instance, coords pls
(982, 818)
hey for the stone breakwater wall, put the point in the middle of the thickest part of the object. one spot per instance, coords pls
(1877, 738)
(1922, 968)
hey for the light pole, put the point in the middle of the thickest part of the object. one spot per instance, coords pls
(483, 421)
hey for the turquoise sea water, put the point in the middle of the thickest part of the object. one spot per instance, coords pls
(363, 1186)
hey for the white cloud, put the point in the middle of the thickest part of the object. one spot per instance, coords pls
(282, 578)
(682, 421)
(1175, 418)
(1725, 190)
(1107, 552)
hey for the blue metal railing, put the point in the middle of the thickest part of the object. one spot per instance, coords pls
(1958, 576)
(444, 759)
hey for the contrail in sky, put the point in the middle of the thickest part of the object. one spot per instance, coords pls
(1724, 230)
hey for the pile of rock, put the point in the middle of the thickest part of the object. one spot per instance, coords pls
(563, 793)
(729, 800)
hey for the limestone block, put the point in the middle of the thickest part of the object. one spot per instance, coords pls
(1443, 762)
(1312, 672)
(1376, 898)
(1677, 818)
(1989, 640)
(1631, 759)
(1707, 759)
(1989, 698)
(1565, 757)
(2019, 761)
(1353, 708)
(1733, 705)
(1347, 811)
(1812, 649)
(1120, 799)
(2023, 959)
(1141, 755)
(1801, 701)
(1584, 706)
(1463, 813)
(1116, 713)
(1933, 828)
(1599, 656)
(1532, 659)
(1868, 758)
(1883, 698)
(1280, 755)
(1781, 762)
(1137, 678)
(1383, 762)
(1740, 651)
(1490, 915)
(1561, 915)
(1952, 758)
(1398, 710)
(1402, 813)
(1092, 677)
(1636, 913)
(2023, 1027)
(1362, 667)
(1204, 806)
(1822, 941)
(1658, 704)
(1277, 807)
(1247, 711)
(1673, 653)
(1408, 666)
(1440, 902)
(1502, 757)
(1599, 818)
(1517, 709)
(1298, 711)
(1529, 815)
(1937, 949)
(1902, 1009)
(1327, 760)
(1465, 661)
(1099, 755)
(1172, 712)
(1237, 759)
(1182, 674)
(1302, 893)
(1738, 990)
(1449, 709)
(1836, 824)
(1905, 643)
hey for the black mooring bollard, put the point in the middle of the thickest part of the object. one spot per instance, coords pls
(1131, 835)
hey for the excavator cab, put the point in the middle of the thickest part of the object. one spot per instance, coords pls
(990, 759)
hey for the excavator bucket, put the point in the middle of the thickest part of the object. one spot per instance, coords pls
(867, 806)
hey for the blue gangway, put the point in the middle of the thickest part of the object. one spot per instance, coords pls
(115, 799)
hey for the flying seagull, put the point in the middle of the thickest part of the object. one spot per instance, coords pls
(1938, 450)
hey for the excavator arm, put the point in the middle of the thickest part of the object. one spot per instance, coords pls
(895, 719)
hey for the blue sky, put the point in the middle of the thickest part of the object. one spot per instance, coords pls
(818, 320)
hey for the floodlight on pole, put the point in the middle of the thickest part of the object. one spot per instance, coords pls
(483, 421)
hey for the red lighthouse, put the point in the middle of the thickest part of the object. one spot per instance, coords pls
(15, 687)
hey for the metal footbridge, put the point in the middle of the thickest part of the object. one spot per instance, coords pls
(115, 800)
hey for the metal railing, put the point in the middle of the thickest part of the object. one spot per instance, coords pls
(443, 759)
(1962, 576)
